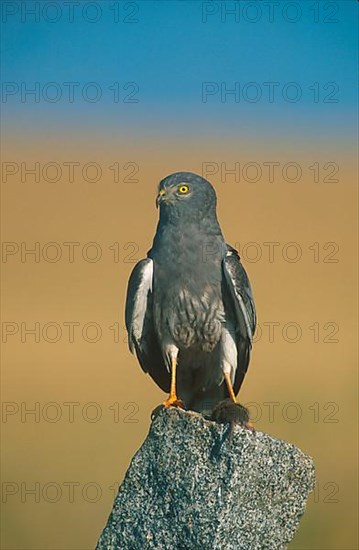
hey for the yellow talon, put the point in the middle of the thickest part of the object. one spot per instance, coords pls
(173, 400)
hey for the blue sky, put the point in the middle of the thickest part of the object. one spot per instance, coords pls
(173, 48)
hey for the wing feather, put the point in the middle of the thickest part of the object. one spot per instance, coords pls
(142, 338)
(240, 290)
(138, 292)
(241, 299)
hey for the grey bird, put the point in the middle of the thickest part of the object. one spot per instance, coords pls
(190, 312)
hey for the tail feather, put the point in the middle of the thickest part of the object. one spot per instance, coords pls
(205, 401)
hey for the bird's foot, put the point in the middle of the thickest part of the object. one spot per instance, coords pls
(173, 401)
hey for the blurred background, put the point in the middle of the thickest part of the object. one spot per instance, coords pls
(101, 100)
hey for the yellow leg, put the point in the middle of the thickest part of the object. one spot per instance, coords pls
(228, 380)
(173, 400)
(230, 387)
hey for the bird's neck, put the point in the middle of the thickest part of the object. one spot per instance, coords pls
(199, 221)
(199, 224)
(195, 238)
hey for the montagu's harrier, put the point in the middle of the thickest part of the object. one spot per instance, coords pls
(190, 314)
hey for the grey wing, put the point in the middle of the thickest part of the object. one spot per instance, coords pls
(142, 338)
(240, 298)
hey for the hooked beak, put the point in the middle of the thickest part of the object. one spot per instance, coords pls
(160, 197)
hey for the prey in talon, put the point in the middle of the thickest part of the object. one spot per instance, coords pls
(232, 413)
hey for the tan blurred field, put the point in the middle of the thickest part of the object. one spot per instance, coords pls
(92, 402)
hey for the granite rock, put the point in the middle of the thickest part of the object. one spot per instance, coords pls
(196, 484)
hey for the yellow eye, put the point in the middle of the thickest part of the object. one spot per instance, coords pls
(183, 189)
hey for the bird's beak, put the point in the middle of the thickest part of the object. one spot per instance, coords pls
(159, 198)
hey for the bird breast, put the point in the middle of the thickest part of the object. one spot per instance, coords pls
(192, 318)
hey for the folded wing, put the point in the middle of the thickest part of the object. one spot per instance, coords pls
(142, 337)
(241, 300)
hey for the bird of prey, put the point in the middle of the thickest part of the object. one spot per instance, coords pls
(190, 313)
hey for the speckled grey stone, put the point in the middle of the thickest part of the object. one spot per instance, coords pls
(192, 486)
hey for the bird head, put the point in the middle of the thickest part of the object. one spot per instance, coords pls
(186, 195)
